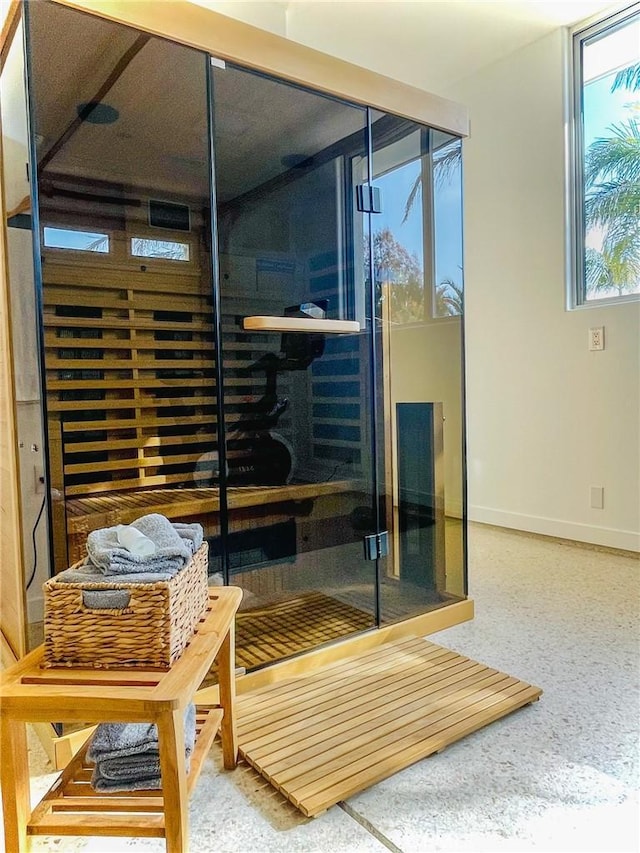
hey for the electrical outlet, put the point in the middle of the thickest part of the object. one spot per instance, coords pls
(597, 497)
(38, 479)
(596, 338)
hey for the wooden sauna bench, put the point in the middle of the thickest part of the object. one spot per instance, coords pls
(92, 513)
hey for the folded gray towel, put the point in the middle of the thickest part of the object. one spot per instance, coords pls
(117, 599)
(127, 755)
(105, 552)
(192, 533)
(143, 778)
(106, 599)
(88, 573)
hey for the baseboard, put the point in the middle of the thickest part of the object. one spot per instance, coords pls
(626, 540)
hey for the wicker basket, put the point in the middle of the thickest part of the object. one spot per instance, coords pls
(150, 632)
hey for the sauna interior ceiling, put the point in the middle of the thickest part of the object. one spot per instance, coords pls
(171, 139)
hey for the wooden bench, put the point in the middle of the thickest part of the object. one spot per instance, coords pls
(29, 693)
(257, 503)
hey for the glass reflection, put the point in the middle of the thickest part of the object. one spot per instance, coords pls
(417, 254)
(299, 451)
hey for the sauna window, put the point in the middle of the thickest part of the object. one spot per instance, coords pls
(170, 250)
(78, 241)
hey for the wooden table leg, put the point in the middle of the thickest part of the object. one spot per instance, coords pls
(227, 687)
(174, 781)
(14, 778)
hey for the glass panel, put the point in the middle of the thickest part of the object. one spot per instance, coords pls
(611, 138)
(299, 452)
(24, 343)
(417, 257)
(129, 344)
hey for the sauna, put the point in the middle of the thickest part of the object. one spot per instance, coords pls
(237, 299)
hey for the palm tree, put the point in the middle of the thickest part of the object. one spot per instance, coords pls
(449, 299)
(614, 269)
(612, 201)
(628, 78)
(446, 162)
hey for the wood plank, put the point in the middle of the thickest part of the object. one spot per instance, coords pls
(119, 825)
(362, 702)
(131, 423)
(66, 272)
(109, 342)
(108, 363)
(204, 384)
(142, 403)
(236, 41)
(203, 743)
(326, 735)
(146, 442)
(195, 303)
(12, 580)
(344, 749)
(52, 321)
(299, 324)
(137, 462)
(89, 805)
(12, 18)
(375, 673)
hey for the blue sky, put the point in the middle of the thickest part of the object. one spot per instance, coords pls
(396, 186)
(602, 107)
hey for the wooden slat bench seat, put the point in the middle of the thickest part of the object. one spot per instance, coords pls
(92, 513)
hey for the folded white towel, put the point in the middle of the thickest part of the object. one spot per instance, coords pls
(135, 541)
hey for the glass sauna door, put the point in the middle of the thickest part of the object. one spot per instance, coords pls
(298, 455)
(122, 153)
(417, 263)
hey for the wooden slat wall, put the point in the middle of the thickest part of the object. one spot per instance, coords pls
(130, 376)
(340, 432)
(130, 409)
(131, 386)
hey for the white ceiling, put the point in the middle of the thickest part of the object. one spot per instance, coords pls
(430, 43)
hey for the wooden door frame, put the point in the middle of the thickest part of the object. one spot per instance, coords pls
(13, 598)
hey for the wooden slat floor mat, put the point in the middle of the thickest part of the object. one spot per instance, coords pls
(286, 627)
(325, 736)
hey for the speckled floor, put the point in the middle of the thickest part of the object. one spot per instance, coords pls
(557, 776)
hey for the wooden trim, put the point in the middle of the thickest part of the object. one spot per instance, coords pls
(238, 42)
(300, 324)
(13, 597)
(9, 29)
(22, 207)
(7, 655)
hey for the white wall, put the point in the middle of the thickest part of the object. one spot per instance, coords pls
(547, 419)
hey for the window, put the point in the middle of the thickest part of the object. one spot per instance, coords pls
(606, 167)
(417, 238)
(79, 241)
(142, 247)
